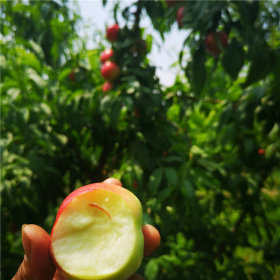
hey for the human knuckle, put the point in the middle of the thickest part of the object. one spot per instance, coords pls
(24, 272)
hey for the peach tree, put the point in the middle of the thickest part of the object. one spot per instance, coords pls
(202, 155)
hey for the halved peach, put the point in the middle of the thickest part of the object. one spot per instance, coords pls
(98, 233)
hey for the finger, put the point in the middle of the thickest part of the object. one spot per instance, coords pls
(136, 277)
(37, 263)
(151, 239)
(113, 181)
(58, 276)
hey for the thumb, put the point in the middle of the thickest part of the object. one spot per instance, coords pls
(37, 263)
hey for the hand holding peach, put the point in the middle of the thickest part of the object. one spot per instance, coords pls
(38, 264)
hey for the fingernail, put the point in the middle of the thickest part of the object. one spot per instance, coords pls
(26, 242)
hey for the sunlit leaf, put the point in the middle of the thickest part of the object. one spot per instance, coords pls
(38, 80)
(171, 175)
(154, 180)
(151, 270)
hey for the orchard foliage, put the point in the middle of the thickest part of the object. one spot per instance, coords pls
(202, 155)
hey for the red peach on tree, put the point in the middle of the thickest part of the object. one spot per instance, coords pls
(106, 55)
(135, 185)
(140, 46)
(136, 113)
(72, 76)
(107, 86)
(110, 71)
(211, 45)
(112, 32)
(180, 16)
(171, 3)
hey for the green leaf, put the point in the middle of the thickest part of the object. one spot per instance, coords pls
(28, 58)
(55, 51)
(29, 205)
(248, 11)
(197, 151)
(172, 159)
(147, 220)
(6, 193)
(273, 134)
(115, 112)
(151, 270)
(260, 66)
(189, 188)
(13, 93)
(138, 172)
(37, 49)
(38, 80)
(141, 136)
(171, 175)
(65, 73)
(25, 114)
(46, 109)
(174, 260)
(9, 84)
(181, 57)
(199, 9)
(130, 90)
(3, 62)
(142, 154)
(199, 70)
(270, 150)
(128, 178)
(155, 10)
(276, 68)
(154, 180)
(233, 59)
(62, 138)
(94, 60)
(149, 42)
(211, 166)
(128, 102)
(164, 194)
(188, 191)
(104, 103)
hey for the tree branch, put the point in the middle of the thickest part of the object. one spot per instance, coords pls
(137, 17)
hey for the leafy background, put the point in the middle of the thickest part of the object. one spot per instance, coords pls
(190, 152)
